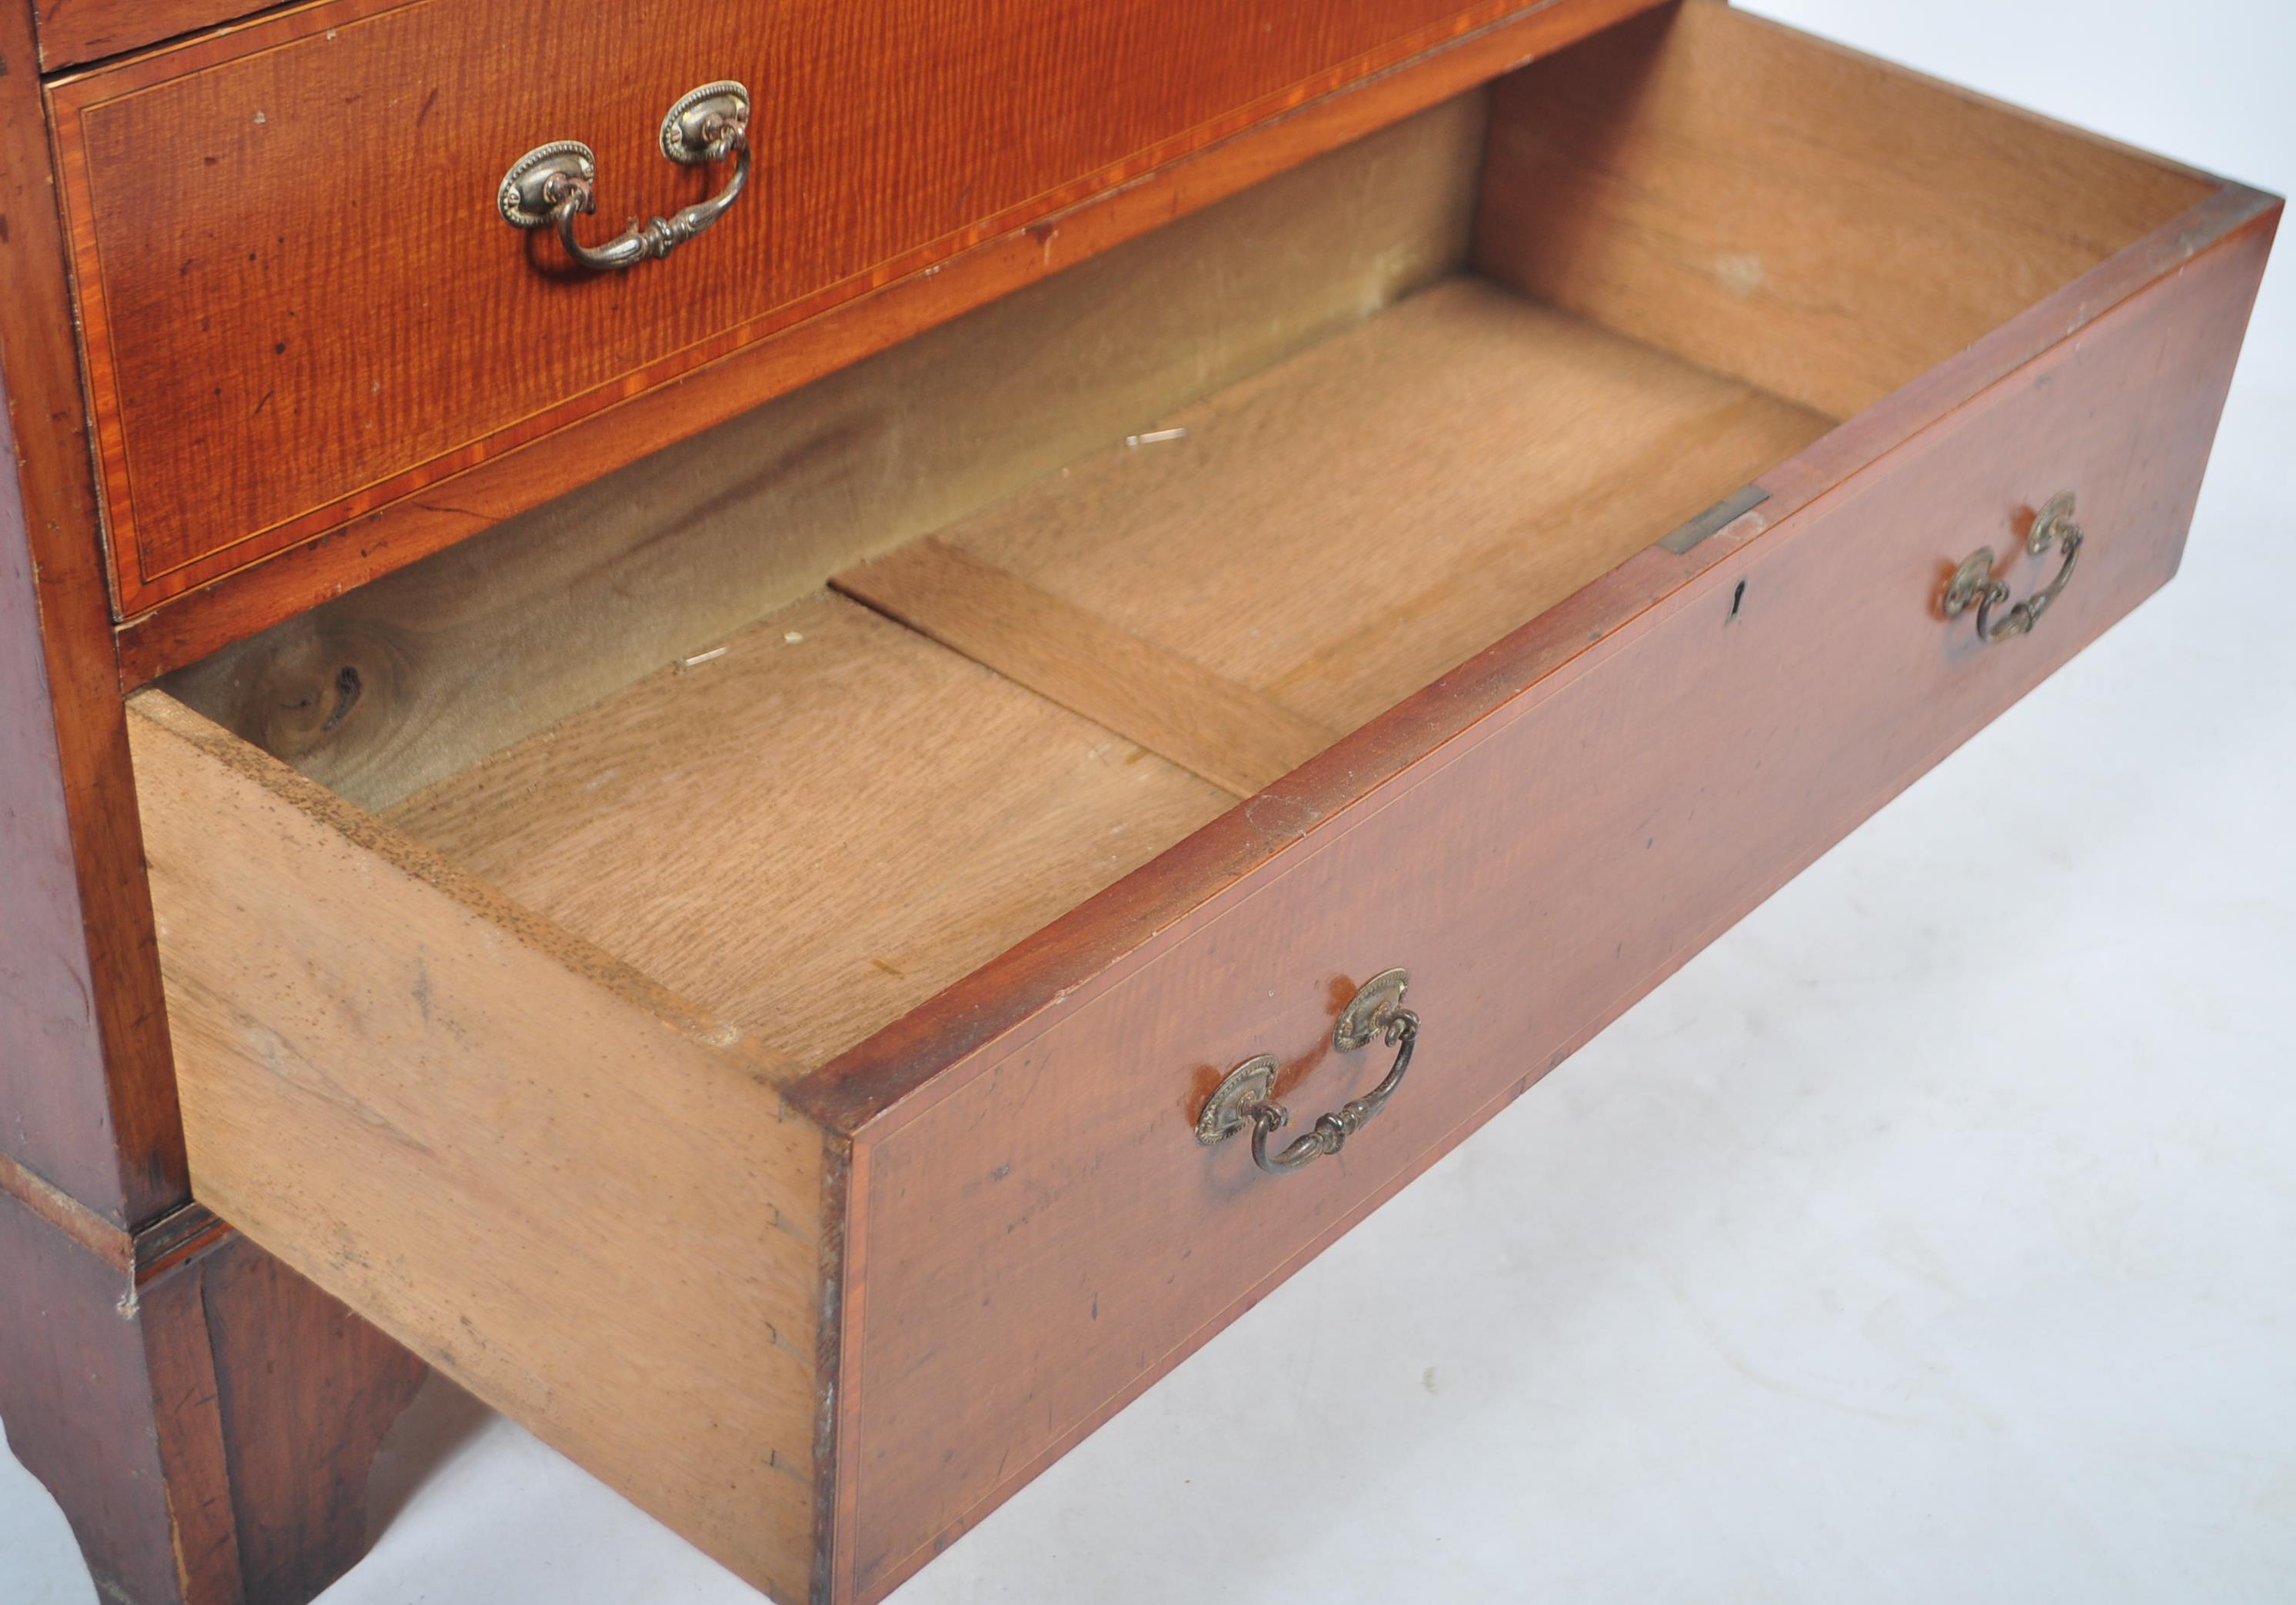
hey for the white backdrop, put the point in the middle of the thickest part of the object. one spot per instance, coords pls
(1933, 1236)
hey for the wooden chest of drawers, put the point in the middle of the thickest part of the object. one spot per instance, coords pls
(806, 863)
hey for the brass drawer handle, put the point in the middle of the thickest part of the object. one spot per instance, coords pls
(1973, 581)
(1242, 1097)
(551, 185)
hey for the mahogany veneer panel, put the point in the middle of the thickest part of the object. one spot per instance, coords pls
(308, 170)
(74, 31)
(204, 1416)
(250, 597)
(401, 683)
(87, 1095)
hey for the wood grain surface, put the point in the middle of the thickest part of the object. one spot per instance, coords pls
(1824, 224)
(243, 398)
(1336, 532)
(152, 1512)
(561, 1185)
(304, 1391)
(88, 1096)
(817, 829)
(482, 493)
(73, 32)
(426, 672)
(1209, 726)
(1037, 1232)
(206, 1421)
(895, 1288)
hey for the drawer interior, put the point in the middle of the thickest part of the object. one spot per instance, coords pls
(831, 810)
(810, 716)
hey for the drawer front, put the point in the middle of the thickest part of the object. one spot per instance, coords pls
(1037, 1234)
(300, 302)
(72, 31)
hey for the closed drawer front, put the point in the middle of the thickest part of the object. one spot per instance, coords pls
(301, 304)
(776, 1078)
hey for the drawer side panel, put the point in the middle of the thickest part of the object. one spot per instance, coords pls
(530, 1166)
(1039, 1235)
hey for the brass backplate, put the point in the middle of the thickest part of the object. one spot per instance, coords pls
(1248, 1084)
(1368, 1012)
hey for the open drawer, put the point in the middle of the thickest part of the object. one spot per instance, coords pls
(732, 966)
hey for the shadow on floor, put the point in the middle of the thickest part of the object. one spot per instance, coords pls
(440, 1425)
